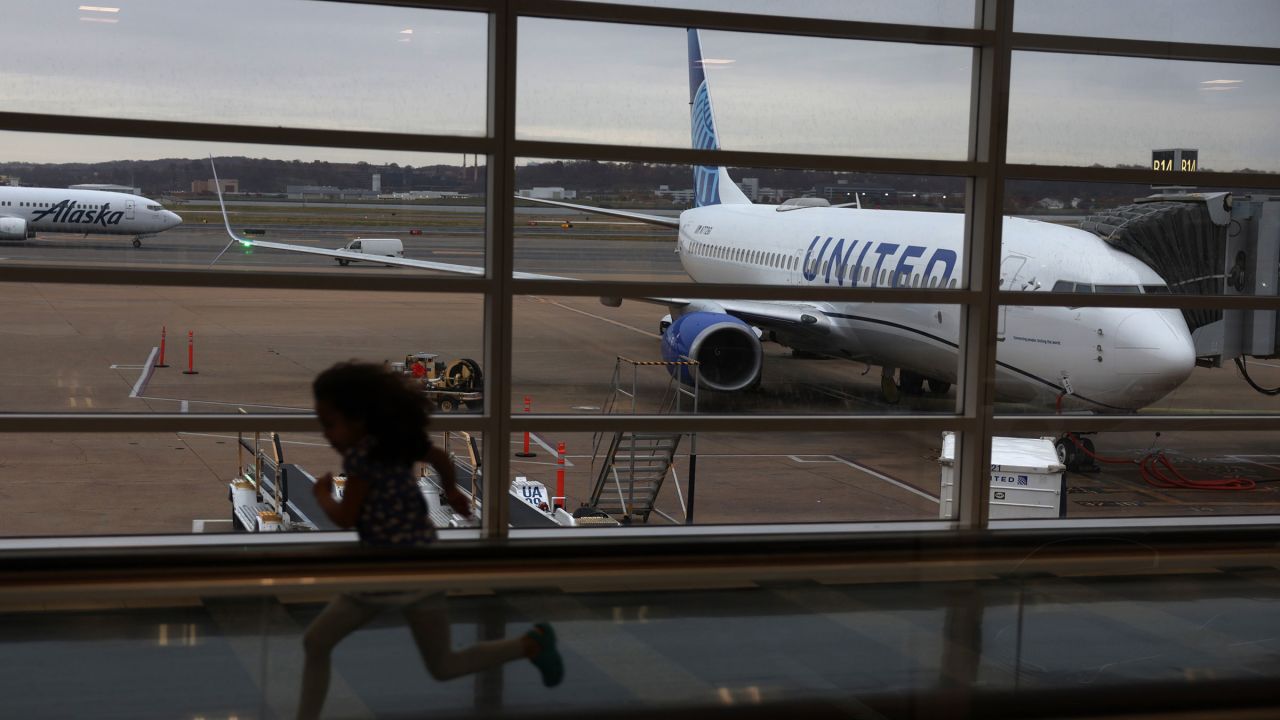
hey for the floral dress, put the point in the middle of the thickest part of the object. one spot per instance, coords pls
(394, 512)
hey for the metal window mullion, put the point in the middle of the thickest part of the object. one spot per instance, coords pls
(499, 251)
(1136, 300)
(1138, 48)
(716, 291)
(775, 23)
(250, 279)
(1228, 421)
(741, 423)
(543, 149)
(253, 134)
(1141, 176)
(983, 224)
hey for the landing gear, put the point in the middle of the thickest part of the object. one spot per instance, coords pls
(938, 387)
(910, 383)
(888, 387)
(1076, 458)
(137, 242)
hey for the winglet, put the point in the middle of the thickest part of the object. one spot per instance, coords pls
(217, 186)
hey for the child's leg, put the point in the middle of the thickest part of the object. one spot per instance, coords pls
(430, 625)
(342, 616)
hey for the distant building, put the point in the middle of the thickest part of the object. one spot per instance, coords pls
(229, 185)
(377, 183)
(328, 192)
(751, 188)
(549, 193)
(9, 180)
(675, 196)
(107, 187)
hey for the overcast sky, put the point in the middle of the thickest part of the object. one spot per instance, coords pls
(328, 65)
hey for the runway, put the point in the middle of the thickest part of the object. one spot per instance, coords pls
(84, 348)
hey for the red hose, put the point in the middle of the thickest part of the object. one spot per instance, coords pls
(1150, 467)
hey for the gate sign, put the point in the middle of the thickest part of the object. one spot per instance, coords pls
(532, 492)
(1175, 160)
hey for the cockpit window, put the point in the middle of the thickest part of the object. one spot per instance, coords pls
(156, 208)
(1156, 289)
(1067, 286)
(1134, 289)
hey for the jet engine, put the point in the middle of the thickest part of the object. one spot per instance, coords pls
(12, 228)
(726, 348)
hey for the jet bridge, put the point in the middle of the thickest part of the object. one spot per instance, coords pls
(1208, 244)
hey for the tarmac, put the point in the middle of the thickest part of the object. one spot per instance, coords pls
(88, 348)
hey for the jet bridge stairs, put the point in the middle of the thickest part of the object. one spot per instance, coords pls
(629, 468)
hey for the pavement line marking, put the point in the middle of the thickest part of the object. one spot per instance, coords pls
(145, 376)
(125, 367)
(887, 479)
(218, 402)
(632, 328)
(185, 406)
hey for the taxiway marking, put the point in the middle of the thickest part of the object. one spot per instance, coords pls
(145, 376)
(867, 470)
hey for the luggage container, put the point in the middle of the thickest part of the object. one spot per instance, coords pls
(1027, 481)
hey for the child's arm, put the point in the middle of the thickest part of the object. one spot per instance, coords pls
(344, 512)
(443, 464)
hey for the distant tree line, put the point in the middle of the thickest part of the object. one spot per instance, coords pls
(607, 181)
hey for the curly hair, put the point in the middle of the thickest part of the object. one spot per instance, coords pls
(393, 413)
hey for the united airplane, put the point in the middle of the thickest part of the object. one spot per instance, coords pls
(25, 211)
(1100, 358)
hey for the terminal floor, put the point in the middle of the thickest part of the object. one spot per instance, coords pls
(651, 651)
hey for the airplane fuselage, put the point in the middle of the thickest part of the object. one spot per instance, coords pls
(1115, 358)
(61, 210)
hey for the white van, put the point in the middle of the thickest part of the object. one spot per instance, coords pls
(388, 247)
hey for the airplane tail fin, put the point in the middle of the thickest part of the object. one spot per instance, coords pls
(712, 185)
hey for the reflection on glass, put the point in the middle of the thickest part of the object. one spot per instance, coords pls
(1114, 111)
(318, 65)
(751, 356)
(106, 348)
(1228, 22)
(907, 12)
(770, 93)
(650, 479)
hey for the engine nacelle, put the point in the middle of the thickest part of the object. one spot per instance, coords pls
(726, 348)
(12, 228)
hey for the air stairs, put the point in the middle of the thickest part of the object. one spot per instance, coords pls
(630, 467)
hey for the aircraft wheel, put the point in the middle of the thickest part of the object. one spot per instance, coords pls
(137, 243)
(889, 389)
(937, 387)
(1068, 453)
(445, 405)
(910, 383)
(344, 262)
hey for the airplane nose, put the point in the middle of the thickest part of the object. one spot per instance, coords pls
(172, 219)
(1154, 352)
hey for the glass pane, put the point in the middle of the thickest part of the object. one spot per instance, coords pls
(575, 355)
(97, 348)
(1097, 110)
(1157, 474)
(176, 483)
(631, 86)
(912, 12)
(757, 225)
(1228, 22)
(316, 65)
(650, 479)
(132, 201)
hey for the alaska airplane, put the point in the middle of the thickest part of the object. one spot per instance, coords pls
(24, 211)
(1100, 358)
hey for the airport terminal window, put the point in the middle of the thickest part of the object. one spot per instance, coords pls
(562, 353)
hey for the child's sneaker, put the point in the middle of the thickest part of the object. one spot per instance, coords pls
(547, 659)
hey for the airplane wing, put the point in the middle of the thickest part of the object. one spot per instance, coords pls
(642, 217)
(348, 255)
